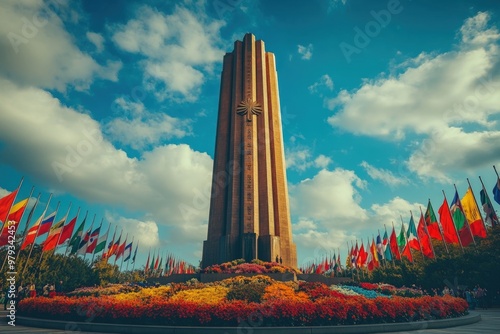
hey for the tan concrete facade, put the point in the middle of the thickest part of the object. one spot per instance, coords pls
(249, 210)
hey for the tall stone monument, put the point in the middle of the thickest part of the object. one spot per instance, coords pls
(249, 210)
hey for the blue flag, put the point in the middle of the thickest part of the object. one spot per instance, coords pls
(496, 192)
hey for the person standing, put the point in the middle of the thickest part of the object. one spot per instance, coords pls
(32, 290)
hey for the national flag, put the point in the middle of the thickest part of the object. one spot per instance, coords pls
(473, 215)
(156, 262)
(348, 259)
(146, 267)
(449, 232)
(92, 244)
(53, 236)
(354, 257)
(411, 235)
(386, 247)
(496, 191)
(114, 247)
(407, 252)
(326, 264)
(121, 249)
(491, 217)
(425, 240)
(338, 264)
(402, 236)
(67, 231)
(32, 232)
(82, 247)
(152, 266)
(370, 264)
(460, 221)
(6, 204)
(135, 252)
(432, 223)
(101, 243)
(362, 256)
(393, 243)
(46, 224)
(402, 243)
(380, 247)
(77, 237)
(127, 252)
(374, 251)
(15, 215)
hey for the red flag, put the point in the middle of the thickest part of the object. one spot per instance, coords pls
(407, 252)
(147, 262)
(425, 240)
(67, 231)
(156, 263)
(121, 249)
(362, 256)
(449, 232)
(6, 204)
(432, 223)
(393, 243)
(15, 215)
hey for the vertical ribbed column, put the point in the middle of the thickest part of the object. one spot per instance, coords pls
(249, 210)
(283, 226)
(264, 145)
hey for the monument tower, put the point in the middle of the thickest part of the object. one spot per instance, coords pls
(249, 210)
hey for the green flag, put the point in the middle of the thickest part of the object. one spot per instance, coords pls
(77, 237)
(401, 237)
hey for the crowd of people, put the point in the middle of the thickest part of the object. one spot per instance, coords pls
(475, 297)
(49, 290)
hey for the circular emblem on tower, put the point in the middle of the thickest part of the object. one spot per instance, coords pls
(249, 107)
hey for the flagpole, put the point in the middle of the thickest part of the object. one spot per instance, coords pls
(406, 240)
(62, 227)
(30, 214)
(131, 246)
(495, 169)
(29, 220)
(427, 232)
(389, 245)
(19, 224)
(493, 224)
(90, 231)
(477, 206)
(440, 227)
(10, 208)
(135, 253)
(125, 245)
(36, 235)
(5, 223)
(48, 233)
(105, 241)
(466, 220)
(97, 240)
(418, 238)
(453, 221)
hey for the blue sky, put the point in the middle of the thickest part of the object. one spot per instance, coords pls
(111, 106)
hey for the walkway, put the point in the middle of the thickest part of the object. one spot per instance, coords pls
(490, 323)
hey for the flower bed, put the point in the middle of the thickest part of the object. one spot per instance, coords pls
(254, 267)
(244, 299)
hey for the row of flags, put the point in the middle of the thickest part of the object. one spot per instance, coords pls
(81, 241)
(330, 265)
(155, 268)
(459, 223)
